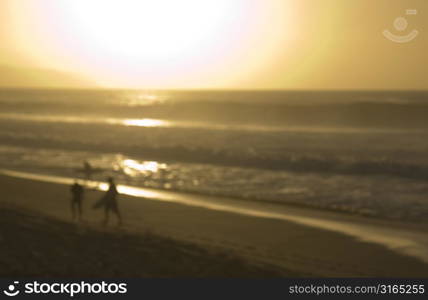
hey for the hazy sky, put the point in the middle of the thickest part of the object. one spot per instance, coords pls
(280, 44)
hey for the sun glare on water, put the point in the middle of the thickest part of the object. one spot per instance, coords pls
(132, 167)
(145, 122)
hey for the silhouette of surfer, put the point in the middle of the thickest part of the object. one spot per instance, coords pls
(109, 201)
(87, 170)
(77, 192)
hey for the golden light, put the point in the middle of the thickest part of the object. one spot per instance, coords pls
(154, 43)
(150, 30)
(132, 167)
(145, 122)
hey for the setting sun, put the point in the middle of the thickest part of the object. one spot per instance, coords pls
(156, 43)
(238, 44)
(149, 31)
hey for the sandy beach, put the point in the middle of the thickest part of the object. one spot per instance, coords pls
(35, 245)
(283, 245)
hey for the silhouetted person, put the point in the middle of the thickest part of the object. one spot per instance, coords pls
(110, 202)
(87, 170)
(76, 200)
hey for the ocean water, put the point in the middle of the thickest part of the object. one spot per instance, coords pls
(357, 152)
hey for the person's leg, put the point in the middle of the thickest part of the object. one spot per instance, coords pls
(106, 214)
(73, 213)
(119, 217)
(79, 210)
(115, 209)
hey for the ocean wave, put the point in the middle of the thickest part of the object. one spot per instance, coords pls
(225, 108)
(245, 157)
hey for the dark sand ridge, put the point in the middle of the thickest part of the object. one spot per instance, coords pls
(285, 243)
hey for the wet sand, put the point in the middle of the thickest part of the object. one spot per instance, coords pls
(302, 244)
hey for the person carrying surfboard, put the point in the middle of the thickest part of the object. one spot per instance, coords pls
(110, 202)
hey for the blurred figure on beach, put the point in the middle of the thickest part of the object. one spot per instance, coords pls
(110, 202)
(77, 192)
(87, 170)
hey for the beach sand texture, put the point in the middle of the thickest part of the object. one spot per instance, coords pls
(285, 245)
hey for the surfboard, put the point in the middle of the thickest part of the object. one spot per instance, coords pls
(99, 203)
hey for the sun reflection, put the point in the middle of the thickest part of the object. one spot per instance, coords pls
(138, 192)
(131, 166)
(145, 122)
(144, 99)
(148, 97)
(103, 186)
